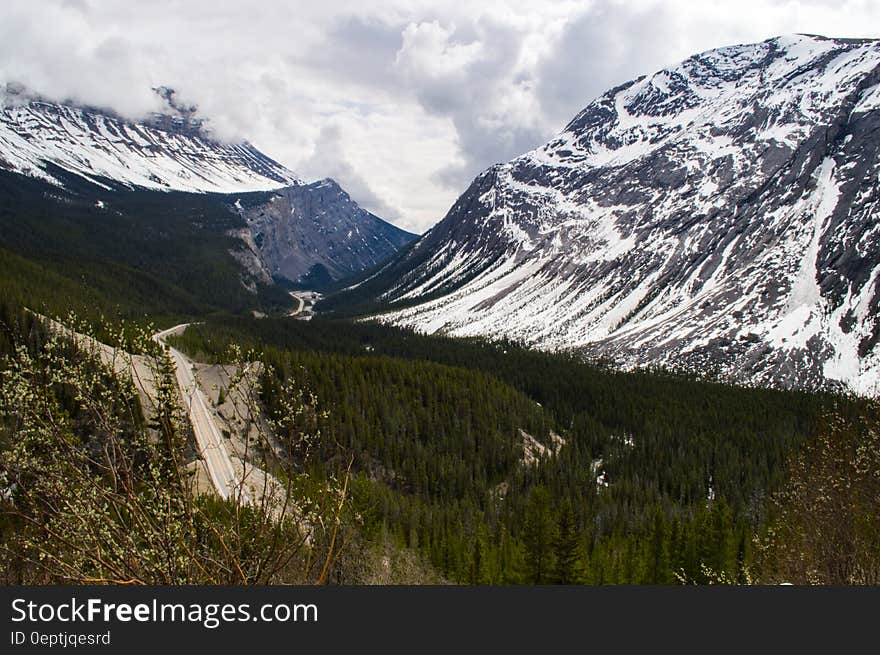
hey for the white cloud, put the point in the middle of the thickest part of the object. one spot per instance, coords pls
(402, 100)
(329, 159)
(429, 52)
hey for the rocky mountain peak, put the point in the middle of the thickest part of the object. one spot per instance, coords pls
(317, 231)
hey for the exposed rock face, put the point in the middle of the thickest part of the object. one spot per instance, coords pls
(309, 227)
(249, 258)
(720, 215)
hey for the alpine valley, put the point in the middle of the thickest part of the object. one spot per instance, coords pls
(627, 356)
(719, 216)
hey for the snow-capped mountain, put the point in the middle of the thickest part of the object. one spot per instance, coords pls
(169, 151)
(721, 215)
(289, 229)
(317, 230)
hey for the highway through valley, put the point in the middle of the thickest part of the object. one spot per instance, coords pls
(208, 437)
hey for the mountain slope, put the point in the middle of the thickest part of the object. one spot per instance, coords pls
(719, 216)
(165, 152)
(133, 252)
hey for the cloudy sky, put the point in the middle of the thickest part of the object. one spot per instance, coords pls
(402, 101)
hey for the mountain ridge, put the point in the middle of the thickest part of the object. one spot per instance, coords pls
(162, 152)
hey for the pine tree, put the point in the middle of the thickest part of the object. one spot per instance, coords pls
(565, 548)
(659, 562)
(538, 537)
(476, 572)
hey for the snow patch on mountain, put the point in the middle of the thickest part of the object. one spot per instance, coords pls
(168, 155)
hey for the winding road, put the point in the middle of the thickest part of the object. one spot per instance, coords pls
(208, 437)
(302, 304)
(305, 308)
